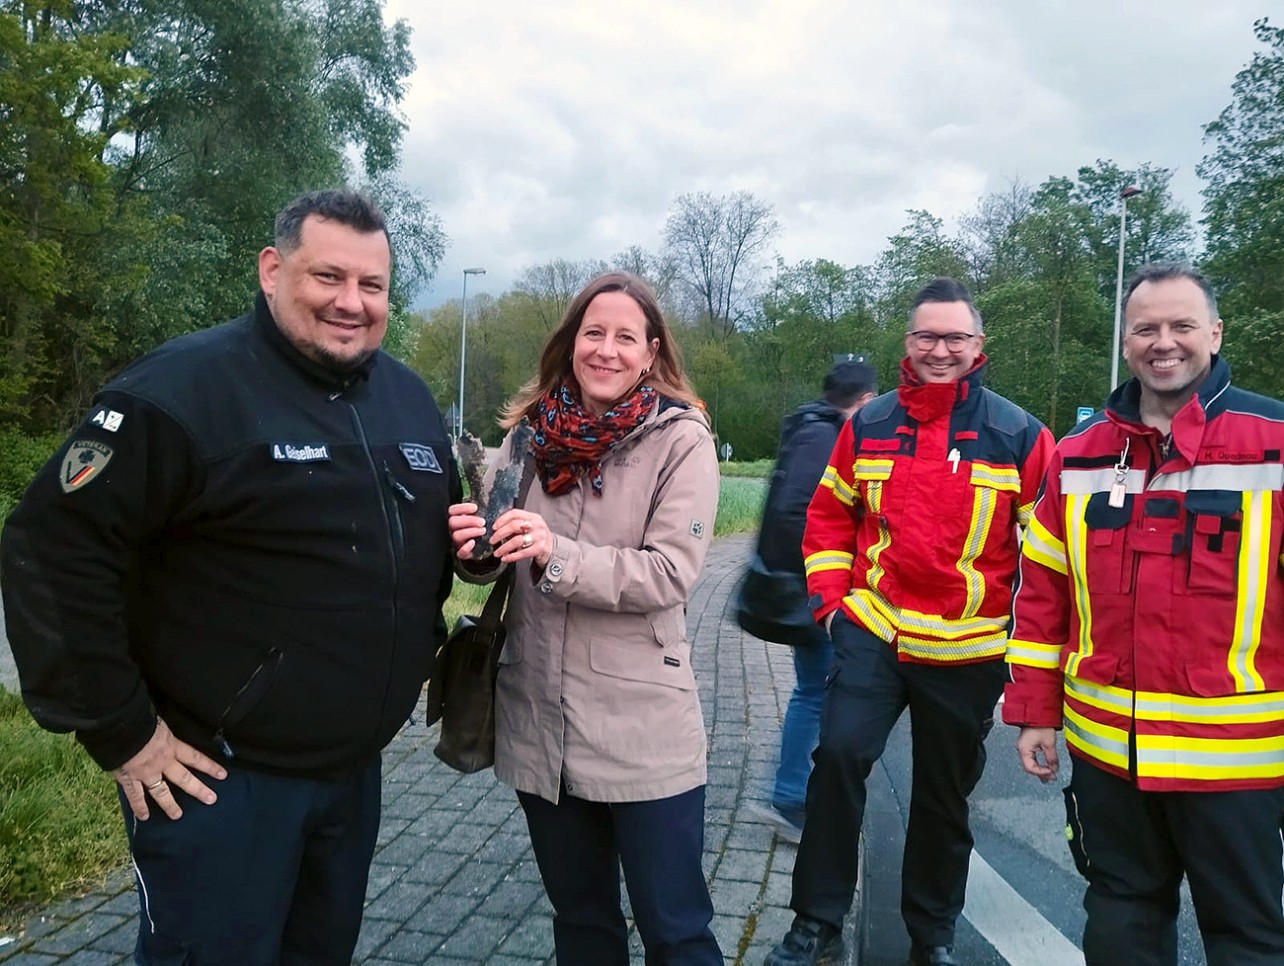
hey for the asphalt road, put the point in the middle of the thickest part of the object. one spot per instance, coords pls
(1025, 899)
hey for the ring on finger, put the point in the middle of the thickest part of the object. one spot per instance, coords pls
(156, 784)
(527, 540)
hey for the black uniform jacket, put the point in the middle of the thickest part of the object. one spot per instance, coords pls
(772, 600)
(242, 542)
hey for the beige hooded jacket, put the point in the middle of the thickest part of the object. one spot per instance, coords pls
(595, 680)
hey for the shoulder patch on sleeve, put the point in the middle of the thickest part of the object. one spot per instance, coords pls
(108, 419)
(85, 459)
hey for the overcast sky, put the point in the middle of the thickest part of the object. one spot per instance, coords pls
(543, 129)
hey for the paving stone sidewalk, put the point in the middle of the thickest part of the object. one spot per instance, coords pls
(454, 880)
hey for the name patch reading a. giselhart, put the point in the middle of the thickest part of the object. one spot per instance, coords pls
(300, 452)
(420, 457)
(85, 459)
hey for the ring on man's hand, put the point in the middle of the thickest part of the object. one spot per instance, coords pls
(527, 540)
(156, 784)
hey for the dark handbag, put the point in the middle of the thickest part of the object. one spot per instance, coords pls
(772, 605)
(461, 691)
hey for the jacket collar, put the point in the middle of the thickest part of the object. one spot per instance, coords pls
(928, 400)
(271, 333)
(1123, 407)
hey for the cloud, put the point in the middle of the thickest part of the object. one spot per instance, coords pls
(565, 129)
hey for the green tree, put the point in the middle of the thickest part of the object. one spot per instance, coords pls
(1244, 194)
(59, 91)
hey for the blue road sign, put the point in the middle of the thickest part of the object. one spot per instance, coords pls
(1082, 413)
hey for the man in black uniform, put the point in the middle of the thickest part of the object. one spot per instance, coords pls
(228, 583)
(773, 599)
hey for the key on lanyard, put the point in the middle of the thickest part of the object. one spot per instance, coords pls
(1117, 489)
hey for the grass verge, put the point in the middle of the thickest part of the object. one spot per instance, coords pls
(60, 825)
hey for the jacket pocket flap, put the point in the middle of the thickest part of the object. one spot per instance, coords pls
(632, 663)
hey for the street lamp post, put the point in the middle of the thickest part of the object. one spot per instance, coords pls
(463, 342)
(1124, 195)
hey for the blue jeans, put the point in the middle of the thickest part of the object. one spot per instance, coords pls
(801, 731)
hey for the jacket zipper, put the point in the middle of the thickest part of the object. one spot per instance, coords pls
(395, 534)
(245, 699)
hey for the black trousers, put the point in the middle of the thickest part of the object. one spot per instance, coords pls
(272, 874)
(580, 847)
(1133, 847)
(951, 712)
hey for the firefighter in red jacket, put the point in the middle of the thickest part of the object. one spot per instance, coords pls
(1150, 625)
(911, 551)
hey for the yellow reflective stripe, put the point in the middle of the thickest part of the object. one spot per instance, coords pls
(1233, 709)
(1265, 477)
(1095, 740)
(1025, 513)
(998, 477)
(1043, 548)
(862, 603)
(1076, 551)
(843, 492)
(950, 628)
(1255, 563)
(969, 650)
(1104, 696)
(874, 496)
(1170, 756)
(866, 468)
(978, 531)
(1033, 654)
(874, 576)
(823, 560)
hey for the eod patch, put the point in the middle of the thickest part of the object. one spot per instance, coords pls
(85, 459)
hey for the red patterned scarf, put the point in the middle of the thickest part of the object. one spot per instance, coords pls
(570, 442)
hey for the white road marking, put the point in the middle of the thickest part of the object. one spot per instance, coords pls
(1011, 925)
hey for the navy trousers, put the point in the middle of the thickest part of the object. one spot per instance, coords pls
(1133, 847)
(580, 847)
(274, 872)
(951, 712)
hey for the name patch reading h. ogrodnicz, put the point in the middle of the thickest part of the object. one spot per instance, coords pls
(300, 452)
(420, 457)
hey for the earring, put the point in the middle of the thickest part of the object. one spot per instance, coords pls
(646, 370)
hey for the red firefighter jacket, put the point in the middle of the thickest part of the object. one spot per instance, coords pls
(913, 529)
(1152, 624)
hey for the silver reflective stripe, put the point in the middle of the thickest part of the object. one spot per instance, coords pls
(1118, 749)
(1222, 476)
(1161, 709)
(1079, 482)
(1221, 759)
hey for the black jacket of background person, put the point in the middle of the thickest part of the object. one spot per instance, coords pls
(261, 562)
(773, 599)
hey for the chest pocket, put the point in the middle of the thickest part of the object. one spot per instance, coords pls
(1213, 525)
(870, 474)
(1108, 560)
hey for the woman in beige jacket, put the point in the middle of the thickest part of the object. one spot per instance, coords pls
(598, 723)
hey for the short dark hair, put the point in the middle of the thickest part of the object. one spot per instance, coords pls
(944, 289)
(1167, 272)
(352, 208)
(845, 382)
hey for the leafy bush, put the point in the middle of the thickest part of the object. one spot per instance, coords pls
(20, 457)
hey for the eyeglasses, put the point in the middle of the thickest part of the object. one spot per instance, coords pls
(926, 341)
